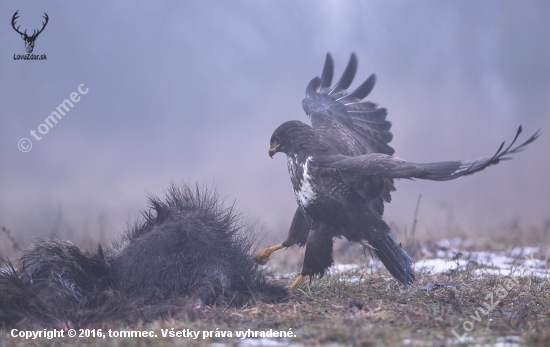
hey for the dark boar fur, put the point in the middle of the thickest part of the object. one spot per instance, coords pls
(189, 249)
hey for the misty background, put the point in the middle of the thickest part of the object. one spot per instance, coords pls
(192, 91)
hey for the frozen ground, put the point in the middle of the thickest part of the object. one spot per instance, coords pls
(522, 261)
(450, 256)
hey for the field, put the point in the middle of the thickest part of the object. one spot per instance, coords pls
(486, 291)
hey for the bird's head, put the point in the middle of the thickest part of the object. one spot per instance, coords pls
(274, 148)
(285, 136)
(275, 145)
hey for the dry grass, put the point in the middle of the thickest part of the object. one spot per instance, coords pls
(366, 307)
(360, 309)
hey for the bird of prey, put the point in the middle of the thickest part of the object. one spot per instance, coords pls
(342, 171)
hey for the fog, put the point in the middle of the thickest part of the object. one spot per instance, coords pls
(192, 91)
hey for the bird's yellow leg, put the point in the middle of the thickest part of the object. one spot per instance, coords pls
(295, 284)
(263, 256)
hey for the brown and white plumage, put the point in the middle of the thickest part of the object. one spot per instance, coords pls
(342, 170)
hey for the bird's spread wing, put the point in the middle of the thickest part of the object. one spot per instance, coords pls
(392, 167)
(352, 127)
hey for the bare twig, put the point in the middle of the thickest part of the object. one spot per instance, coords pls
(14, 243)
(415, 217)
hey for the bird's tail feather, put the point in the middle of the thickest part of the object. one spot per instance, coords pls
(394, 258)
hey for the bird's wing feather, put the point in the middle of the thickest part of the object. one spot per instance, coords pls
(392, 167)
(350, 126)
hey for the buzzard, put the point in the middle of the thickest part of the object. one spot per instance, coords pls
(342, 171)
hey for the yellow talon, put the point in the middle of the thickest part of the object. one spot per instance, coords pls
(263, 256)
(295, 284)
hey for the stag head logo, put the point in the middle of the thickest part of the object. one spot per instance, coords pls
(29, 40)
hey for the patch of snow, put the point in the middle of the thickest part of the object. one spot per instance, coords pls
(443, 244)
(427, 253)
(523, 251)
(504, 263)
(435, 265)
(443, 253)
(343, 268)
(377, 264)
(508, 263)
(491, 259)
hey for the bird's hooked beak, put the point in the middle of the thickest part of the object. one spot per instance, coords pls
(273, 150)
